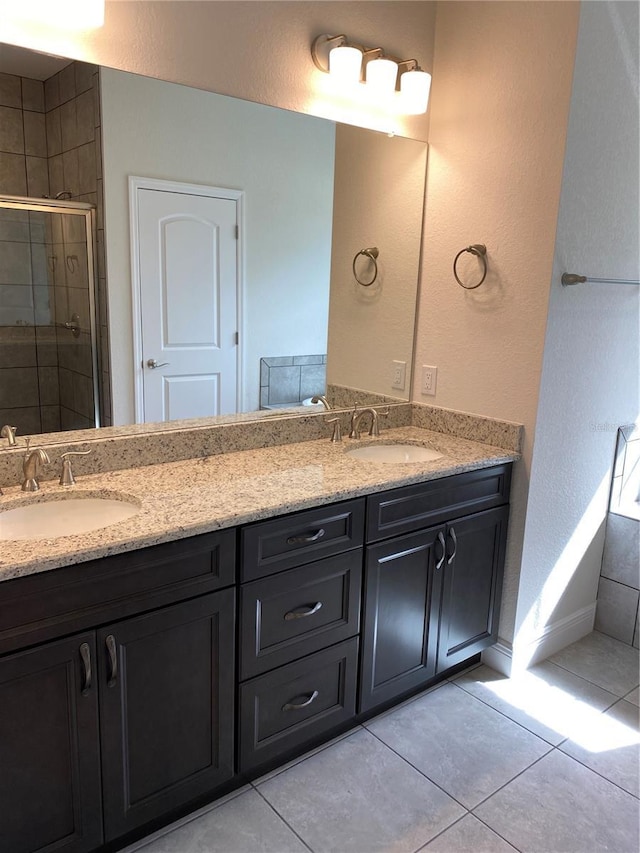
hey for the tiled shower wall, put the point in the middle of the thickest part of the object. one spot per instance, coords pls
(50, 144)
(289, 379)
(619, 588)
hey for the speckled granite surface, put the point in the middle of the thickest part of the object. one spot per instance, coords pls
(138, 445)
(188, 497)
(474, 427)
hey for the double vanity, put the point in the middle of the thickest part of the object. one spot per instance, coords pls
(252, 605)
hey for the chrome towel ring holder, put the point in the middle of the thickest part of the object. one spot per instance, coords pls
(480, 251)
(372, 254)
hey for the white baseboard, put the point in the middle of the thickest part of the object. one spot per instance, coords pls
(499, 657)
(504, 659)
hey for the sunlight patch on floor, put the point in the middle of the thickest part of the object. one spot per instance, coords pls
(564, 713)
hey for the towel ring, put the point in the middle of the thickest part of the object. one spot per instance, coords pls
(480, 251)
(372, 254)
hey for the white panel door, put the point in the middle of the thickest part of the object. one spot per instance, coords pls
(188, 278)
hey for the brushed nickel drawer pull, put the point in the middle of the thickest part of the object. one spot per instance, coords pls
(87, 677)
(110, 643)
(301, 614)
(452, 535)
(440, 561)
(306, 538)
(290, 706)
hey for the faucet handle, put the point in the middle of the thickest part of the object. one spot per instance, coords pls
(375, 428)
(66, 475)
(336, 435)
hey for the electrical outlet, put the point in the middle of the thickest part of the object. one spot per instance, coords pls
(398, 374)
(429, 379)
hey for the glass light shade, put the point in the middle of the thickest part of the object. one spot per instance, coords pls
(345, 64)
(382, 75)
(414, 91)
(60, 14)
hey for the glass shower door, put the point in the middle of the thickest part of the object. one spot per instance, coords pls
(48, 356)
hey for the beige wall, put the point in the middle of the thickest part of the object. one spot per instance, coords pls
(259, 51)
(378, 201)
(502, 84)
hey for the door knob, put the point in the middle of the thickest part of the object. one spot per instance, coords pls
(152, 364)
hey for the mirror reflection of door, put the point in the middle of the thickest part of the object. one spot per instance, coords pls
(185, 249)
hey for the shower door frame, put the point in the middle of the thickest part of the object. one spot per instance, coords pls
(75, 208)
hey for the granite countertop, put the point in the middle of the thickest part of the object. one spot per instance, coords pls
(179, 499)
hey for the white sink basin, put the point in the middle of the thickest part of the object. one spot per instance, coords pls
(63, 516)
(394, 453)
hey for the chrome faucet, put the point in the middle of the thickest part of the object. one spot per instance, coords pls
(9, 432)
(320, 398)
(30, 467)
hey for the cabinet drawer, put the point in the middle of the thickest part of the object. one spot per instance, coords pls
(61, 601)
(425, 504)
(300, 611)
(284, 543)
(294, 704)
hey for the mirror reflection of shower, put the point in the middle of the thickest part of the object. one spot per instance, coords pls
(48, 352)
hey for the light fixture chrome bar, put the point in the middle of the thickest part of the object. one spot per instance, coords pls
(572, 278)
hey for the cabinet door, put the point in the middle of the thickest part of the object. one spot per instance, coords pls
(49, 749)
(471, 586)
(399, 637)
(166, 709)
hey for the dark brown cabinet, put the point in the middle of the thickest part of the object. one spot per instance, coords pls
(166, 709)
(299, 627)
(468, 603)
(106, 730)
(398, 635)
(49, 749)
(431, 597)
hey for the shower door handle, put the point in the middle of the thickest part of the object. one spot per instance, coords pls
(152, 364)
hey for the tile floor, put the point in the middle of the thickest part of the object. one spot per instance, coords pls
(547, 763)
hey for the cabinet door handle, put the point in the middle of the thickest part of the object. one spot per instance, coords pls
(87, 675)
(301, 614)
(306, 538)
(440, 561)
(112, 677)
(290, 706)
(454, 539)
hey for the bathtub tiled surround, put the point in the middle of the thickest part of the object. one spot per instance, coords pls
(289, 379)
(547, 761)
(617, 612)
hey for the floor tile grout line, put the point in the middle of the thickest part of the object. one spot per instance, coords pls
(595, 683)
(484, 823)
(504, 714)
(524, 770)
(597, 772)
(283, 819)
(421, 772)
(442, 831)
(616, 700)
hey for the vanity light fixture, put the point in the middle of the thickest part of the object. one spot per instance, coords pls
(349, 64)
(60, 14)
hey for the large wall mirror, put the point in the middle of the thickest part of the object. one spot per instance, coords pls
(314, 195)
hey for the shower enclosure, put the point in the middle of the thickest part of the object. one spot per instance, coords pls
(48, 352)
